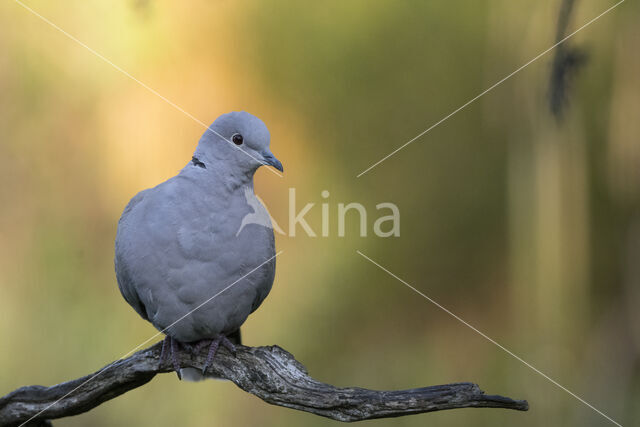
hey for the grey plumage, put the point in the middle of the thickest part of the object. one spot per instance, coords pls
(176, 244)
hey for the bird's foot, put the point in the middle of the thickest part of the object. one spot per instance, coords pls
(214, 344)
(171, 345)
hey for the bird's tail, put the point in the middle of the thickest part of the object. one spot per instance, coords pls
(195, 374)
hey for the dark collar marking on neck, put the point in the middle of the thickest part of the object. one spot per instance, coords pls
(198, 163)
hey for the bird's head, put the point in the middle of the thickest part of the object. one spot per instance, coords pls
(238, 141)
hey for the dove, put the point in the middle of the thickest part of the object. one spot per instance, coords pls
(184, 260)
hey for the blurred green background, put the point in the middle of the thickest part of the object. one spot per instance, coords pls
(525, 226)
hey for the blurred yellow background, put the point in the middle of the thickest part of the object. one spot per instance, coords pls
(526, 227)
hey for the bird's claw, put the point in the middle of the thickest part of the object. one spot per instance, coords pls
(230, 346)
(170, 345)
(174, 357)
(213, 349)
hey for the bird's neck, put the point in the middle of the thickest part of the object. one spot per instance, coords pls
(217, 175)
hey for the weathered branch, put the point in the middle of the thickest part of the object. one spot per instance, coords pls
(270, 373)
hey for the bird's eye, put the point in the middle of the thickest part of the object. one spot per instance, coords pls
(237, 139)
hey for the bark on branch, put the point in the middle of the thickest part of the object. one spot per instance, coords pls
(270, 373)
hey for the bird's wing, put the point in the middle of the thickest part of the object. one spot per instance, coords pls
(123, 276)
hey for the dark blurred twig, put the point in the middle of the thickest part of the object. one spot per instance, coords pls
(567, 60)
(270, 373)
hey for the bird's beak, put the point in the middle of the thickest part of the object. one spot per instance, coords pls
(270, 159)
